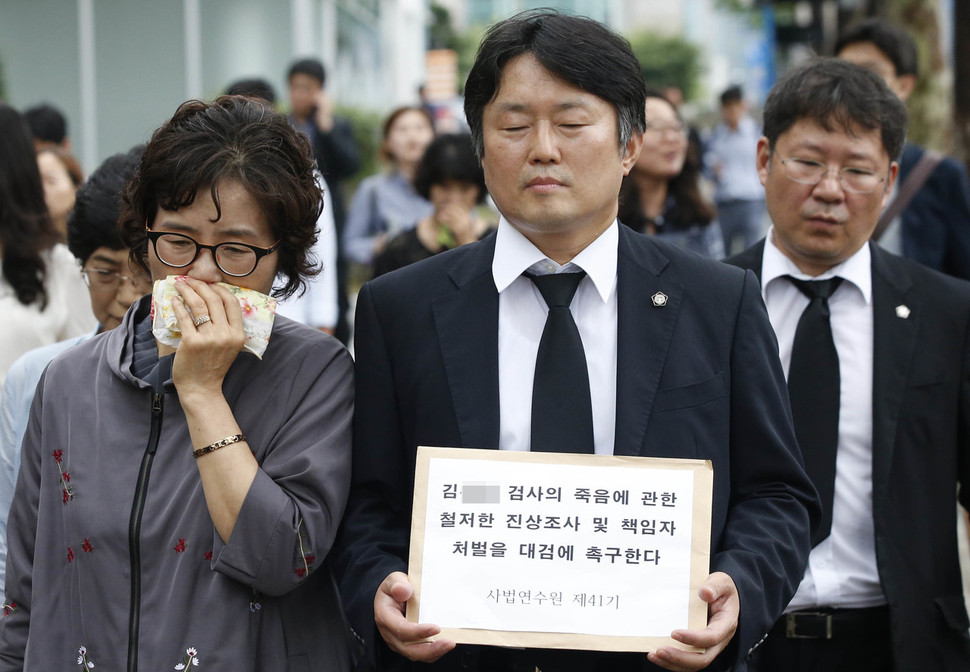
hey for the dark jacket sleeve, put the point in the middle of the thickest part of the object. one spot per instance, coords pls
(336, 152)
(374, 538)
(774, 508)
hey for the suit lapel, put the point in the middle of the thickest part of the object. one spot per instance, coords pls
(643, 337)
(467, 326)
(894, 340)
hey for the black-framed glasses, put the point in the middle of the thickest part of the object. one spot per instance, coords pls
(856, 180)
(103, 280)
(179, 250)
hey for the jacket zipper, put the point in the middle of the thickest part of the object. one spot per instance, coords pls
(134, 530)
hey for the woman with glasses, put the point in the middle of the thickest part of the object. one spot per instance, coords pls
(42, 299)
(661, 196)
(176, 503)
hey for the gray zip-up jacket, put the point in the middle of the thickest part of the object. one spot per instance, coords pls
(113, 561)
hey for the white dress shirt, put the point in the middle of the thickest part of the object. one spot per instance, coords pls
(522, 316)
(842, 569)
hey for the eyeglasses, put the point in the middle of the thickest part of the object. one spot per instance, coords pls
(236, 259)
(856, 180)
(103, 280)
(668, 130)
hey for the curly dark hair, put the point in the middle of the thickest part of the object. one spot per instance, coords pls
(450, 158)
(232, 139)
(26, 230)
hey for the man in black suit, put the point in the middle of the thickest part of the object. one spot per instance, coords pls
(933, 227)
(681, 358)
(882, 590)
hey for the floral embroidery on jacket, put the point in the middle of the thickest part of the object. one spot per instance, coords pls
(86, 546)
(191, 658)
(67, 490)
(180, 547)
(82, 659)
(9, 608)
(70, 554)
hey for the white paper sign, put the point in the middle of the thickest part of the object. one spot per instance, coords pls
(537, 542)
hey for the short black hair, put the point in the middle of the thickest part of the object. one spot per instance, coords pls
(253, 87)
(47, 123)
(93, 222)
(232, 139)
(582, 52)
(894, 42)
(732, 94)
(310, 67)
(836, 94)
(449, 158)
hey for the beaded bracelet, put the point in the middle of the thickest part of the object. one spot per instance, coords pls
(228, 441)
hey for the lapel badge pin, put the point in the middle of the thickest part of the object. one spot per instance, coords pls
(902, 311)
(659, 300)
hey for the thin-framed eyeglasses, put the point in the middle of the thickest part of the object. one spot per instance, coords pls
(677, 130)
(856, 180)
(179, 250)
(103, 280)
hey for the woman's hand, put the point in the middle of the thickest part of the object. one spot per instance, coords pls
(459, 220)
(206, 350)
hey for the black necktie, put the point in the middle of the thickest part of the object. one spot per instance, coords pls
(813, 385)
(562, 413)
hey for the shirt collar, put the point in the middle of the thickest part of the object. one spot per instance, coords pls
(857, 269)
(515, 254)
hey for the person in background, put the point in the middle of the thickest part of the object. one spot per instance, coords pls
(387, 204)
(42, 298)
(48, 126)
(318, 306)
(928, 217)
(336, 152)
(661, 196)
(451, 177)
(61, 175)
(180, 511)
(729, 161)
(114, 283)
(876, 350)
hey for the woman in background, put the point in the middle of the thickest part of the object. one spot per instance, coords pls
(451, 177)
(61, 175)
(386, 204)
(42, 296)
(661, 196)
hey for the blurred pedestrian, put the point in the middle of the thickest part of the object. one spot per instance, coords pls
(42, 298)
(661, 196)
(729, 160)
(451, 178)
(338, 158)
(48, 127)
(387, 203)
(61, 175)
(928, 216)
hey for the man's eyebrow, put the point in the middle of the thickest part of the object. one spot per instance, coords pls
(524, 107)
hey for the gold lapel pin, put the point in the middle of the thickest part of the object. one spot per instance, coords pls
(902, 311)
(659, 300)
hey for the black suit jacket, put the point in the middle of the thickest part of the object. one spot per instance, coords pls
(936, 223)
(698, 378)
(920, 453)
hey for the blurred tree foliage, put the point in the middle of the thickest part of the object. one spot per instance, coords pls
(367, 132)
(667, 60)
